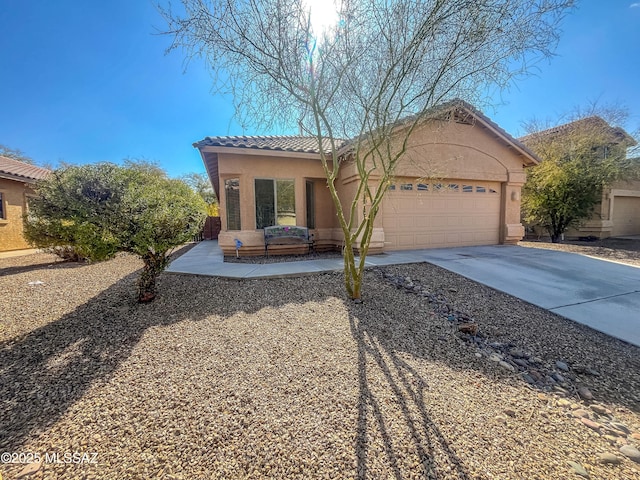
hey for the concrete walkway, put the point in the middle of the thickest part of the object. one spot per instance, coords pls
(603, 295)
(206, 259)
(19, 253)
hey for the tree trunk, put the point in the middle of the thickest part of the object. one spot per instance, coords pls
(154, 265)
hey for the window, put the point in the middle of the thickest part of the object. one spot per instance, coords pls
(480, 189)
(2, 212)
(491, 190)
(311, 206)
(454, 187)
(467, 188)
(232, 195)
(437, 186)
(391, 187)
(423, 186)
(275, 202)
(406, 186)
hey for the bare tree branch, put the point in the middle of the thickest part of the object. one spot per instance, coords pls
(371, 77)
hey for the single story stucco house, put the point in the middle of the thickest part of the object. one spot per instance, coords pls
(16, 181)
(458, 184)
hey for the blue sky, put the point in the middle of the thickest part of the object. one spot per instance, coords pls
(88, 80)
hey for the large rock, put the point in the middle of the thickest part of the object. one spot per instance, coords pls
(631, 452)
(609, 458)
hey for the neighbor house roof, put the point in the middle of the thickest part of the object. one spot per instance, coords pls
(15, 170)
(274, 143)
(593, 122)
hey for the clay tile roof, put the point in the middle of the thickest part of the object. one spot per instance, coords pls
(277, 143)
(309, 144)
(10, 168)
(594, 122)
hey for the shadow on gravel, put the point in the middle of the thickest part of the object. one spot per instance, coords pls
(55, 264)
(44, 372)
(408, 389)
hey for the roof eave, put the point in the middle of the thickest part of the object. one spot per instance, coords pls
(256, 151)
(18, 178)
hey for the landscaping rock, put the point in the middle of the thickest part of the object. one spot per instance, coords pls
(585, 393)
(602, 410)
(591, 424)
(579, 469)
(609, 458)
(580, 413)
(507, 366)
(468, 328)
(30, 469)
(632, 453)
(620, 427)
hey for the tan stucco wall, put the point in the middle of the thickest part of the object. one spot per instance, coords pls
(249, 167)
(14, 204)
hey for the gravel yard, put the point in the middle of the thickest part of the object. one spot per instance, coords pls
(285, 378)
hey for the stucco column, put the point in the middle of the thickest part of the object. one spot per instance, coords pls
(512, 228)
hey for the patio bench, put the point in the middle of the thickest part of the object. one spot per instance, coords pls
(287, 235)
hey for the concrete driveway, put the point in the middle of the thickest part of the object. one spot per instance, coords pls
(601, 294)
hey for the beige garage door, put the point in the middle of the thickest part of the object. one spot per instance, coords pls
(626, 216)
(450, 213)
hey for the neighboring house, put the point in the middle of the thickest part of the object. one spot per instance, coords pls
(16, 181)
(618, 213)
(458, 184)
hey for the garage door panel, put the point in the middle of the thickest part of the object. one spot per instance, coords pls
(437, 239)
(426, 219)
(626, 216)
(438, 222)
(405, 222)
(484, 237)
(453, 238)
(439, 204)
(452, 221)
(421, 221)
(469, 203)
(405, 240)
